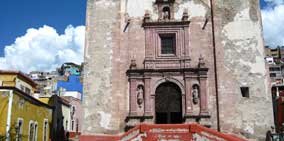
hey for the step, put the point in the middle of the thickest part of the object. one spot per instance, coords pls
(167, 132)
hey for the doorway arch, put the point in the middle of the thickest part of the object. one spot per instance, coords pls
(168, 104)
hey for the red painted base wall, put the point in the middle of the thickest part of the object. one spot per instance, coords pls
(156, 132)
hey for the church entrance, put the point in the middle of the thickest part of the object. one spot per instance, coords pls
(168, 104)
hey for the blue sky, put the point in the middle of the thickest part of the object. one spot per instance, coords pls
(43, 34)
(262, 4)
(17, 16)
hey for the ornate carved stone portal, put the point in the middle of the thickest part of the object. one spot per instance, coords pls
(168, 76)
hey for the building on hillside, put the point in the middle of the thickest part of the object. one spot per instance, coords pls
(22, 117)
(71, 68)
(276, 73)
(277, 53)
(281, 52)
(269, 60)
(267, 51)
(47, 82)
(273, 52)
(175, 61)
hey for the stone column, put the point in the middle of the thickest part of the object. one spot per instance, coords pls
(203, 97)
(186, 42)
(133, 97)
(148, 106)
(186, 48)
(148, 53)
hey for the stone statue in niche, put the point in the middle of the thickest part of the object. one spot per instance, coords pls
(195, 94)
(166, 13)
(140, 95)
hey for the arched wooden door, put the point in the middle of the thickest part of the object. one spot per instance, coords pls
(168, 104)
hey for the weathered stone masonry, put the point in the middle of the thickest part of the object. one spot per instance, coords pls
(124, 65)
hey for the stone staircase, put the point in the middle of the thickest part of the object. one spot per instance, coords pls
(167, 132)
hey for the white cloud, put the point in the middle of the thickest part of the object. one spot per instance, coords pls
(272, 18)
(44, 49)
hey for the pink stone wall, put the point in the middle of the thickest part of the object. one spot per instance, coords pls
(116, 37)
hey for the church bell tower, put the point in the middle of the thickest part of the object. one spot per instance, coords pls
(175, 62)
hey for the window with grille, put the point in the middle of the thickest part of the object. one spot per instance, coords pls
(27, 90)
(45, 128)
(19, 130)
(35, 132)
(168, 44)
(72, 125)
(31, 131)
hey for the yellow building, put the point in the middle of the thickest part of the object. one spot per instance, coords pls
(22, 117)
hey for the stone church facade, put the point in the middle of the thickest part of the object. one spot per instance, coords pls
(166, 62)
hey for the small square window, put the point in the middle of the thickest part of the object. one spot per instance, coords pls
(245, 91)
(27, 90)
(22, 87)
(272, 74)
(168, 44)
